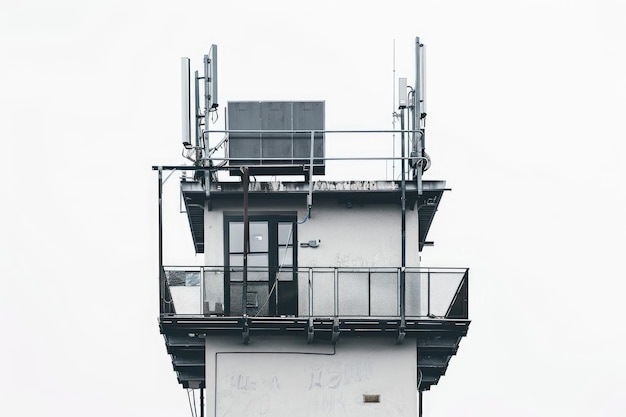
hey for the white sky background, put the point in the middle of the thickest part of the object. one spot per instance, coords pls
(525, 121)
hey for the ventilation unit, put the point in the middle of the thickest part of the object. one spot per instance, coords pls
(275, 137)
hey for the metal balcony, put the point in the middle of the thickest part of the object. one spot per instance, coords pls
(323, 292)
(334, 303)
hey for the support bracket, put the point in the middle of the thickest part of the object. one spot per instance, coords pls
(310, 332)
(245, 334)
(335, 336)
(401, 332)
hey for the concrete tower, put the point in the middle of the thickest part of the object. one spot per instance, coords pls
(311, 300)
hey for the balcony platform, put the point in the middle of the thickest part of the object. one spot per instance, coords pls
(437, 338)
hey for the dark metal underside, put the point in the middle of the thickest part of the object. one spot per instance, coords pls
(354, 192)
(437, 339)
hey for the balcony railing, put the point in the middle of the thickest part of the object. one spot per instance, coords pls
(322, 292)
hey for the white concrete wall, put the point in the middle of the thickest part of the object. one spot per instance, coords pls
(282, 376)
(366, 235)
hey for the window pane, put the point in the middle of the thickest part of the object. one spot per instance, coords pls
(285, 256)
(257, 267)
(285, 274)
(257, 260)
(236, 267)
(235, 237)
(258, 237)
(285, 233)
(192, 278)
(236, 260)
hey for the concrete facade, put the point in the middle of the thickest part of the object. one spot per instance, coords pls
(284, 377)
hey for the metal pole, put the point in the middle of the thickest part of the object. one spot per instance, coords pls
(161, 274)
(202, 291)
(336, 291)
(403, 200)
(310, 292)
(420, 404)
(309, 199)
(418, 115)
(197, 104)
(246, 241)
(428, 296)
(418, 84)
(201, 402)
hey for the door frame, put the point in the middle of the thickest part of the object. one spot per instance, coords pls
(273, 218)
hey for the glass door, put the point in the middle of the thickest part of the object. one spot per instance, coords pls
(272, 281)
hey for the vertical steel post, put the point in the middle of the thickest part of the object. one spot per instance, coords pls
(197, 110)
(310, 292)
(417, 125)
(428, 289)
(398, 290)
(420, 404)
(403, 250)
(418, 84)
(309, 199)
(369, 292)
(202, 290)
(336, 291)
(201, 402)
(246, 241)
(161, 274)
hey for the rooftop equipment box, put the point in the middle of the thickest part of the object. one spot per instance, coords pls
(269, 150)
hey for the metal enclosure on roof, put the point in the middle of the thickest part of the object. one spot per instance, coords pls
(276, 136)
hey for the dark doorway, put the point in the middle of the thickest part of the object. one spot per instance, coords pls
(272, 277)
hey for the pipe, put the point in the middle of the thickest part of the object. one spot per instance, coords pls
(197, 111)
(246, 241)
(309, 199)
(418, 85)
(418, 114)
(420, 404)
(161, 274)
(201, 402)
(403, 200)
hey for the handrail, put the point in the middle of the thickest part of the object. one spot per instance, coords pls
(431, 292)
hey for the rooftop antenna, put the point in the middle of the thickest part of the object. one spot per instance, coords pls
(192, 114)
(210, 92)
(423, 79)
(188, 118)
(420, 160)
(210, 82)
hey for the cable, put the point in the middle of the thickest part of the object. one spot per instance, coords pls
(419, 380)
(189, 400)
(195, 408)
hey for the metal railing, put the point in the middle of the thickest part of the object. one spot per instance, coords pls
(322, 292)
(379, 152)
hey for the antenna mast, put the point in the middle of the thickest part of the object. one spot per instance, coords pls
(420, 161)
